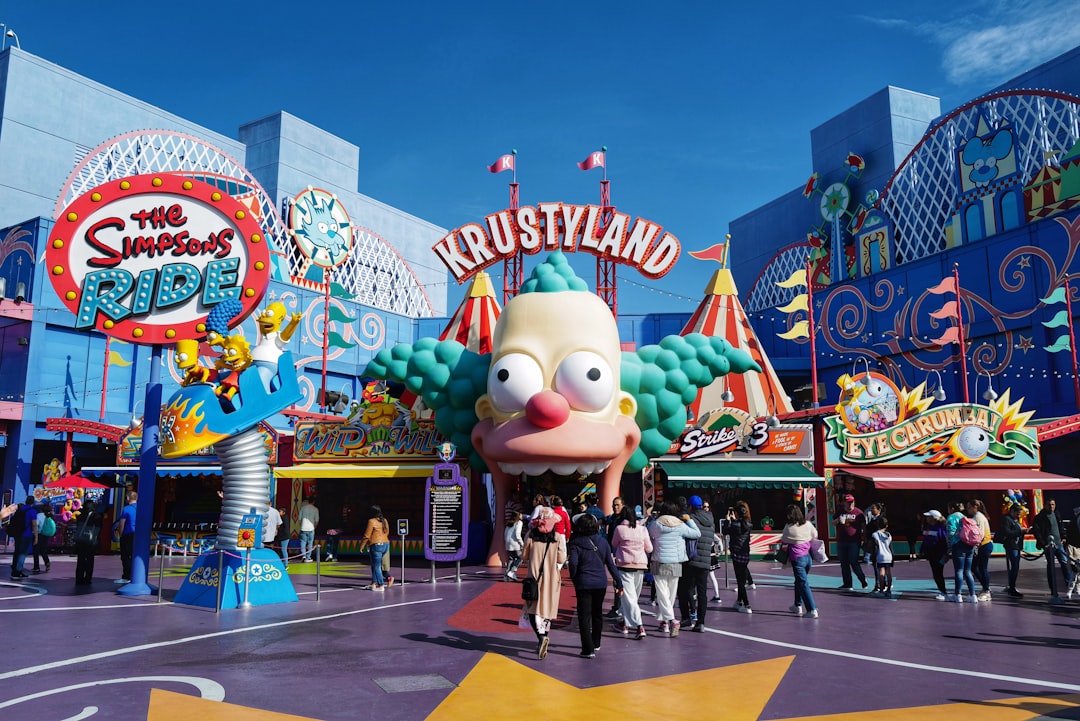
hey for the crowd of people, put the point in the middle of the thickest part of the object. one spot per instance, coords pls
(674, 549)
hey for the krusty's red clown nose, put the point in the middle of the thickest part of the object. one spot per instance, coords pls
(547, 409)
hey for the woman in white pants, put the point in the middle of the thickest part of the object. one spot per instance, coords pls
(631, 546)
(669, 534)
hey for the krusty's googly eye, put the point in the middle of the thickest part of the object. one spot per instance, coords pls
(586, 381)
(513, 380)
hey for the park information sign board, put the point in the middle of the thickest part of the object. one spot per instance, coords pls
(145, 258)
(445, 508)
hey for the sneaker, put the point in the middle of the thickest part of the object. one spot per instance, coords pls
(641, 633)
(587, 654)
(876, 594)
(541, 650)
(699, 628)
(813, 614)
(716, 598)
(48, 567)
(753, 586)
(596, 647)
(796, 609)
(1055, 601)
(664, 628)
(984, 596)
(954, 598)
(308, 560)
(119, 580)
(864, 583)
(613, 614)
(378, 588)
(1013, 593)
(620, 627)
(971, 599)
(743, 609)
(939, 597)
(675, 625)
(844, 588)
(389, 581)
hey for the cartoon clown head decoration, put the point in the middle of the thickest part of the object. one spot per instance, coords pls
(556, 393)
(553, 401)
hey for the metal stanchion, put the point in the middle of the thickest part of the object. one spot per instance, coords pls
(318, 572)
(220, 581)
(247, 578)
(160, 575)
(432, 579)
(458, 564)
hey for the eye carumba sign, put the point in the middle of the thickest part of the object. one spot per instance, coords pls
(558, 226)
(145, 258)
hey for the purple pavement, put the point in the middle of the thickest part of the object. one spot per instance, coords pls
(352, 652)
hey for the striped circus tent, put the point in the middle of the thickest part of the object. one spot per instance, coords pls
(474, 321)
(721, 314)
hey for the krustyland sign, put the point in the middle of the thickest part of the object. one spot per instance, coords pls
(956, 434)
(145, 258)
(558, 226)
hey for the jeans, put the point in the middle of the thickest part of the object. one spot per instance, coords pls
(981, 565)
(1012, 562)
(632, 579)
(1057, 554)
(307, 542)
(378, 550)
(849, 561)
(590, 616)
(800, 569)
(961, 557)
(20, 552)
(513, 562)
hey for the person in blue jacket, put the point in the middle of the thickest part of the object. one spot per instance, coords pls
(589, 556)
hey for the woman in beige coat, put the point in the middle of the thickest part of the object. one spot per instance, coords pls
(545, 554)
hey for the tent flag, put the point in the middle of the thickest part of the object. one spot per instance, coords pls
(1061, 319)
(1060, 344)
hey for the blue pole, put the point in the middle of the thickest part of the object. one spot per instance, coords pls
(148, 455)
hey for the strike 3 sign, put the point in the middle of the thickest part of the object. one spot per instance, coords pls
(145, 258)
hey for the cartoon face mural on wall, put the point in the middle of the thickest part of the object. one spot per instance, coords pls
(321, 228)
(556, 394)
(987, 156)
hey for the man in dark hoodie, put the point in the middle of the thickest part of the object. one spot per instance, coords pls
(694, 583)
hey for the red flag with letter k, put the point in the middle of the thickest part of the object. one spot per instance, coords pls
(505, 162)
(595, 160)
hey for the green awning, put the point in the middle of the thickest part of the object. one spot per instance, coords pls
(739, 474)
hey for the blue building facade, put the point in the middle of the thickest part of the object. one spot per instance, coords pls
(902, 201)
(390, 281)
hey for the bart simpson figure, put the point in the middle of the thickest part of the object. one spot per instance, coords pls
(187, 362)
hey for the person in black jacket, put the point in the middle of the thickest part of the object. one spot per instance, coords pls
(1047, 528)
(87, 533)
(589, 554)
(736, 526)
(694, 584)
(1011, 536)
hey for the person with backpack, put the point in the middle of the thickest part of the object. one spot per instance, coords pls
(46, 530)
(964, 535)
(693, 588)
(23, 529)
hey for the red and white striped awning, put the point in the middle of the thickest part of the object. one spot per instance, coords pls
(721, 314)
(474, 321)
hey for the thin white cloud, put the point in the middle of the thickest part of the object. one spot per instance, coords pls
(989, 41)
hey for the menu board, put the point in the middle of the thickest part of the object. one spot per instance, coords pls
(445, 508)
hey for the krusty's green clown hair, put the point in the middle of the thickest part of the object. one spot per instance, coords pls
(664, 379)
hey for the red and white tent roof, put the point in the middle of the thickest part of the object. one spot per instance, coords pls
(721, 314)
(474, 321)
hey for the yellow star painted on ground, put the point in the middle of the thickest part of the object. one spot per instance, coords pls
(169, 706)
(1008, 709)
(500, 684)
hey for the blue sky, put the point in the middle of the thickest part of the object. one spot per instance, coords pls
(706, 108)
